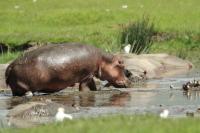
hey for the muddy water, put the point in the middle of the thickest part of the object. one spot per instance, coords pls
(150, 97)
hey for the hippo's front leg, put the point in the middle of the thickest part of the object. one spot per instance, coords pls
(88, 84)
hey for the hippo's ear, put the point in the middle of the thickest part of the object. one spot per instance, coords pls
(118, 61)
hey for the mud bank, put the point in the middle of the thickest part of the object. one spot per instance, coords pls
(156, 65)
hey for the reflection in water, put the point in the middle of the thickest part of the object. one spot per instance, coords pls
(108, 98)
(192, 95)
(85, 99)
(120, 99)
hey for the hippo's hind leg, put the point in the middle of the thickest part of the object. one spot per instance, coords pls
(88, 84)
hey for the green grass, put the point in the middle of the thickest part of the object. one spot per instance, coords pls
(139, 35)
(117, 124)
(4, 58)
(180, 48)
(96, 22)
(88, 21)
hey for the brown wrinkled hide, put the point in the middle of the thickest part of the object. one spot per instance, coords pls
(52, 68)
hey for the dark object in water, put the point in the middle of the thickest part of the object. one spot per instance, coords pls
(135, 78)
(190, 114)
(195, 85)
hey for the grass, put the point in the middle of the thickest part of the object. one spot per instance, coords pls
(184, 49)
(139, 35)
(93, 22)
(118, 124)
(4, 58)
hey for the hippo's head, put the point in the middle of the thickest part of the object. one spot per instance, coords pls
(112, 69)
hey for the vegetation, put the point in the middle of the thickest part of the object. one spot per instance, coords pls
(117, 124)
(139, 35)
(8, 56)
(185, 46)
(99, 23)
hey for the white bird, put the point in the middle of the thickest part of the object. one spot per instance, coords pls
(164, 114)
(127, 48)
(60, 115)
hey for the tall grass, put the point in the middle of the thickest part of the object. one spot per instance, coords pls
(8, 56)
(139, 35)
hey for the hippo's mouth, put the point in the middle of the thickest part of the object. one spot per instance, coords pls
(117, 85)
(120, 85)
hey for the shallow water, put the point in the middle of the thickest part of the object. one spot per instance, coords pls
(150, 97)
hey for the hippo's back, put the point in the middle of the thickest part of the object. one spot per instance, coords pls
(59, 54)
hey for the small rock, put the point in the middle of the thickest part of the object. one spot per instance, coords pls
(28, 94)
(190, 114)
(198, 110)
(76, 106)
(48, 100)
(171, 87)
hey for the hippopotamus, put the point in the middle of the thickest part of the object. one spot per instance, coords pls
(54, 67)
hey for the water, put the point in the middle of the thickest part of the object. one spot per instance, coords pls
(150, 97)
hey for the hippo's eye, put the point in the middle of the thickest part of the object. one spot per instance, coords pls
(121, 62)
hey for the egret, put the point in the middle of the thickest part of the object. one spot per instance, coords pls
(164, 114)
(60, 115)
(127, 48)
